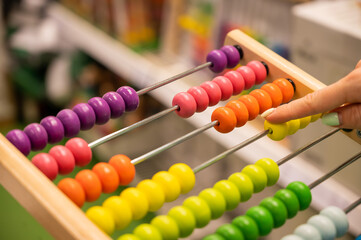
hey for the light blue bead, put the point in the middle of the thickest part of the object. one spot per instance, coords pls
(292, 237)
(307, 231)
(339, 219)
(324, 225)
(358, 238)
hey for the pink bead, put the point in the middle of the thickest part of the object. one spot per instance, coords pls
(64, 158)
(81, 151)
(213, 91)
(225, 85)
(236, 80)
(201, 97)
(46, 164)
(248, 75)
(186, 103)
(259, 70)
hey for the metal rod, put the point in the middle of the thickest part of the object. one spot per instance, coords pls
(172, 79)
(229, 151)
(352, 206)
(173, 143)
(339, 168)
(307, 146)
(131, 127)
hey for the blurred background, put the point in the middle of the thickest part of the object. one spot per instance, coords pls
(55, 54)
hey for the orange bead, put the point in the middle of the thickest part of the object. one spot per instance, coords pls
(90, 183)
(71, 188)
(252, 105)
(125, 169)
(240, 110)
(263, 98)
(286, 88)
(108, 176)
(226, 118)
(275, 93)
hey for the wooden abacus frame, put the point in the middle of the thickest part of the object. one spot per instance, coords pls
(62, 218)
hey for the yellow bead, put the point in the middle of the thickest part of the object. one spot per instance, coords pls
(215, 201)
(102, 217)
(271, 169)
(120, 210)
(167, 226)
(128, 236)
(293, 126)
(154, 193)
(305, 121)
(316, 117)
(230, 193)
(244, 185)
(169, 183)
(147, 231)
(137, 201)
(257, 175)
(277, 132)
(185, 176)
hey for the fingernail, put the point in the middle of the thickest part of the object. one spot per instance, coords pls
(267, 112)
(331, 119)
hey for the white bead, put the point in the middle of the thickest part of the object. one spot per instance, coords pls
(339, 219)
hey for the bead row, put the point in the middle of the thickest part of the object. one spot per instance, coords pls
(271, 213)
(228, 56)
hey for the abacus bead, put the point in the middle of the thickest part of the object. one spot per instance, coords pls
(20, 140)
(169, 184)
(213, 91)
(128, 236)
(240, 110)
(324, 225)
(236, 80)
(185, 176)
(339, 219)
(286, 88)
(214, 236)
(200, 210)
(244, 185)
(290, 200)
(278, 210)
(232, 55)
(248, 227)
(70, 121)
(37, 136)
(230, 232)
(305, 121)
(116, 104)
(184, 219)
(90, 183)
(120, 210)
(275, 93)
(46, 164)
(218, 59)
(186, 103)
(277, 131)
(292, 237)
(130, 97)
(271, 169)
(307, 231)
(259, 70)
(200, 96)
(86, 115)
(73, 190)
(257, 175)
(81, 151)
(263, 98)
(125, 169)
(293, 126)
(252, 105)
(263, 219)
(137, 201)
(147, 231)
(54, 129)
(316, 117)
(302, 192)
(225, 85)
(108, 176)
(248, 75)
(167, 227)
(215, 201)
(230, 193)
(226, 118)
(102, 217)
(101, 109)
(154, 193)
(64, 158)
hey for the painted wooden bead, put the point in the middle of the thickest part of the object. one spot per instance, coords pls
(240, 110)
(324, 226)
(293, 126)
(167, 227)
(54, 128)
(128, 236)
(185, 176)
(275, 93)
(101, 110)
(252, 106)
(226, 118)
(236, 80)
(230, 193)
(37, 135)
(147, 231)
(70, 121)
(231, 232)
(184, 218)
(200, 96)
(232, 55)
(290, 200)
(244, 185)
(248, 227)
(46, 164)
(200, 210)
(339, 219)
(276, 132)
(116, 104)
(120, 210)
(302, 192)
(278, 210)
(248, 75)
(81, 151)
(263, 98)
(186, 103)
(20, 140)
(271, 169)
(130, 97)
(305, 121)
(125, 169)
(73, 190)
(90, 183)
(218, 59)
(263, 219)
(259, 69)
(64, 158)
(102, 217)
(108, 176)
(213, 91)
(154, 193)
(225, 85)
(86, 115)
(169, 183)
(215, 201)
(307, 231)
(137, 201)
(257, 175)
(286, 88)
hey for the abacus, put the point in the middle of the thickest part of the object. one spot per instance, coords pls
(63, 219)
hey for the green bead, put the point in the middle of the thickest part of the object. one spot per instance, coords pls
(147, 231)
(244, 185)
(200, 209)
(247, 226)
(271, 169)
(184, 218)
(302, 192)
(214, 237)
(230, 232)
(230, 192)
(278, 210)
(290, 200)
(263, 218)
(167, 227)
(257, 175)
(128, 236)
(215, 201)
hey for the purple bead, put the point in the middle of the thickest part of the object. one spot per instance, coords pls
(101, 109)
(20, 140)
(37, 136)
(70, 121)
(130, 98)
(218, 59)
(116, 104)
(54, 128)
(232, 54)
(86, 115)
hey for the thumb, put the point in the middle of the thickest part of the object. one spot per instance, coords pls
(348, 116)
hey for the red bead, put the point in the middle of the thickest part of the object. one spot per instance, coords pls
(81, 151)
(46, 164)
(275, 93)
(201, 97)
(236, 80)
(64, 158)
(213, 91)
(90, 183)
(240, 110)
(259, 69)
(252, 105)
(226, 119)
(125, 169)
(108, 176)
(225, 85)
(248, 75)
(186, 103)
(263, 98)
(73, 190)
